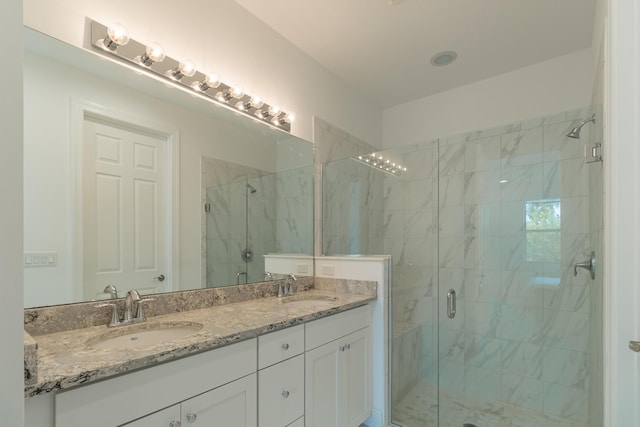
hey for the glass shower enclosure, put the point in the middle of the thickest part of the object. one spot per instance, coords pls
(495, 318)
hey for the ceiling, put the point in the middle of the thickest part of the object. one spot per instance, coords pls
(383, 48)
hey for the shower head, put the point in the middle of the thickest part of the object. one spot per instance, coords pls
(251, 188)
(575, 132)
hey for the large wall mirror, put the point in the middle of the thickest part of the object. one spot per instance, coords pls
(133, 182)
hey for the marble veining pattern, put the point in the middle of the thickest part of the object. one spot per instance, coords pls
(67, 359)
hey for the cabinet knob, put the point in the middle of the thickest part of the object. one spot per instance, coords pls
(285, 394)
(191, 417)
(285, 346)
(174, 424)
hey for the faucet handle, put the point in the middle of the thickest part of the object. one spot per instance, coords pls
(115, 317)
(140, 316)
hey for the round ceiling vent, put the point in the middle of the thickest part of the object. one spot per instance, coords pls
(443, 58)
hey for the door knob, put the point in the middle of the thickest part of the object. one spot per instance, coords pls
(191, 417)
(589, 265)
(634, 346)
(159, 278)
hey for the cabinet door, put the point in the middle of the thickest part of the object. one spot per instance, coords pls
(321, 388)
(281, 393)
(162, 418)
(234, 404)
(356, 377)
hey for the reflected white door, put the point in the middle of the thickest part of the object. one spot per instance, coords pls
(124, 218)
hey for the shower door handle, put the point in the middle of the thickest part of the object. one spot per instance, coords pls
(451, 303)
(634, 346)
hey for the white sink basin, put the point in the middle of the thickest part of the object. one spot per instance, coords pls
(143, 335)
(308, 298)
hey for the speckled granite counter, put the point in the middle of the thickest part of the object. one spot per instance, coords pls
(66, 358)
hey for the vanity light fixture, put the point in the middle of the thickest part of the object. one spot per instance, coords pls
(118, 44)
(378, 161)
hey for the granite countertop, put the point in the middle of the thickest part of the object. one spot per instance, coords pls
(67, 358)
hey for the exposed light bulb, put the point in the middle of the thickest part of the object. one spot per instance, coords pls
(256, 102)
(153, 53)
(237, 92)
(274, 110)
(210, 81)
(117, 35)
(184, 69)
(187, 68)
(290, 117)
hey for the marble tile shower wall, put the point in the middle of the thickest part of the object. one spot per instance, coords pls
(522, 332)
(410, 236)
(277, 217)
(224, 231)
(294, 211)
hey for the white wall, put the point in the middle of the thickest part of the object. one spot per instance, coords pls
(622, 210)
(11, 318)
(221, 36)
(553, 86)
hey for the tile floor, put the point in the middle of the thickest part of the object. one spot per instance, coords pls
(419, 408)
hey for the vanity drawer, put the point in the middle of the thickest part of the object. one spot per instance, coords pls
(281, 345)
(281, 393)
(331, 328)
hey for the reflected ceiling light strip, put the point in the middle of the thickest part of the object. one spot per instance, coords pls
(378, 161)
(115, 41)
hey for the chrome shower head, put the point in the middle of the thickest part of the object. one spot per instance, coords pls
(251, 188)
(575, 132)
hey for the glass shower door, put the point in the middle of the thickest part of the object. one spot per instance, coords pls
(518, 208)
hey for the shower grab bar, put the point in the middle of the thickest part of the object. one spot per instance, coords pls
(451, 303)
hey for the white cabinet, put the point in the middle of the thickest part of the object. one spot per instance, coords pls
(338, 374)
(122, 399)
(233, 404)
(169, 417)
(281, 393)
(281, 377)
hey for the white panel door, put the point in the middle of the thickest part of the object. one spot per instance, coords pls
(322, 386)
(124, 210)
(356, 376)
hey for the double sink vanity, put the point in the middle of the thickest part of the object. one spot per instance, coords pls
(239, 355)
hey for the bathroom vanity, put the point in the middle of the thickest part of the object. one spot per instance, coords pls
(302, 361)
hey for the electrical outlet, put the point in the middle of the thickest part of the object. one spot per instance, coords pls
(302, 268)
(329, 270)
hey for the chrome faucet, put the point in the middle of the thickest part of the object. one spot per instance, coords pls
(268, 276)
(133, 311)
(111, 290)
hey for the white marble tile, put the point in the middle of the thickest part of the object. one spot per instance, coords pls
(483, 219)
(565, 367)
(482, 285)
(452, 159)
(524, 324)
(566, 330)
(482, 155)
(566, 402)
(482, 187)
(451, 190)
(524, 392)
(522, 359)
(522, 148)
(521, 289)
(483, 252)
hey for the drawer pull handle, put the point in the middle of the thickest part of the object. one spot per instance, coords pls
(285, 394)
(192, 417)
(285, 346)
